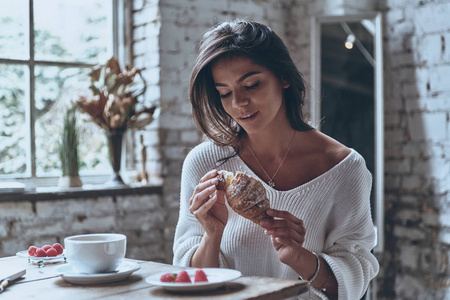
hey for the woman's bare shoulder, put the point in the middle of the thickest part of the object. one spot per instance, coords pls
(315, 154)
(331, 151)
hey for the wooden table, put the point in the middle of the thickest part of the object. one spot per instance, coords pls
(40, 283)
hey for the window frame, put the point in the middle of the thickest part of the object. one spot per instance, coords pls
(315, 110)
(122, 50)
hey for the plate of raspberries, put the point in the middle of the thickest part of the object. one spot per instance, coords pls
(193, 279)
(45, 253)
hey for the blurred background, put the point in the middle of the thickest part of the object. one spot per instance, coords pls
(378, 75)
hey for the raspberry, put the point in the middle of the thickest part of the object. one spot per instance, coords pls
(183, 277)
(32, 250)
(200, 276)
(169, 277)
(46, 247)
(40, 253)
(51, 252)
(58, 248)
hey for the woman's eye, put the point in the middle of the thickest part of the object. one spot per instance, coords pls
(251, 87)
(223, 96)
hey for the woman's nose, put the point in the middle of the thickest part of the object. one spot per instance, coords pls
(239, 100)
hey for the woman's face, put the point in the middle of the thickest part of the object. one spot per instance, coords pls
(250, 93)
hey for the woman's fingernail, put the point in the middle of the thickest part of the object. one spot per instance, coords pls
(269, 211)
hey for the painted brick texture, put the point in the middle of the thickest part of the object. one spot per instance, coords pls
(139, 217)
(417, 93)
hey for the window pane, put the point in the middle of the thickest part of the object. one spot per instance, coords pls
(94, 154)
(55, 88)
(13, 129)
(73, 30)
(14, 29)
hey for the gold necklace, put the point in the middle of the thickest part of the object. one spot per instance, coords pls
(271, 182)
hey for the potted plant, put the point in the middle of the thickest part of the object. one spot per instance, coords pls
(68, 150)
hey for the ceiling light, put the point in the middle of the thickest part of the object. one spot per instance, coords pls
(349, 41)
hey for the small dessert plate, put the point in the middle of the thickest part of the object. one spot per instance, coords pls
(216, 278)
(40, 261)
(123, 272)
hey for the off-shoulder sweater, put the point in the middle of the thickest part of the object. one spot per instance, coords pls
(335, 209)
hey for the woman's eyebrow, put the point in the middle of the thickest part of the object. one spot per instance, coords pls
(242, 78)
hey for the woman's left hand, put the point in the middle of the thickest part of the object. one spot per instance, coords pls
(287, 233)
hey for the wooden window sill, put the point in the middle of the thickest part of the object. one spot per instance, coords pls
(87, 191)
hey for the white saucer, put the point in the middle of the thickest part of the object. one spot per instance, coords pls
(123, 272)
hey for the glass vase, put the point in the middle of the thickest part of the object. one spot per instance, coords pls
(115, 137)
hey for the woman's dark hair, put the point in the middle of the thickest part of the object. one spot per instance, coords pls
(259, 43)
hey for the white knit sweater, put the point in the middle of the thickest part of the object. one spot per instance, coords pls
(334, 207)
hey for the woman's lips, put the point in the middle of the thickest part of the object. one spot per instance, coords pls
(248, 117)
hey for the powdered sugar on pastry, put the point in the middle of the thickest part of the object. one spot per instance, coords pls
(245, 195)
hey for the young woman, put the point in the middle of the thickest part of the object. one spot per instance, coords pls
(247, 95)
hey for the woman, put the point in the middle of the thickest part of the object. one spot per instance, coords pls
(247, 95)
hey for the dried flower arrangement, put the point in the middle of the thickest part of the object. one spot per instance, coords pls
(114, 106)
(115, 97)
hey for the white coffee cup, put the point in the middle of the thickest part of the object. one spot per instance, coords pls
(95, 253)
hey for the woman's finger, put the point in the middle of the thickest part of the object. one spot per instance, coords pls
(286, 233)
(201, 186)
(283, 226)
(282, 214)
(283, 241)
(276, 244)
(201, 212)
(279, 223)
(199, 198)
(209, 175)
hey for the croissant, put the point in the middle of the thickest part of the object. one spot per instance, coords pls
(245, 195)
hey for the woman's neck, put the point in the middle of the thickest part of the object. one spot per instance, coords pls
(269, 144)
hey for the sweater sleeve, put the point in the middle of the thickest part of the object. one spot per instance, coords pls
(348, 246)
(189, 232)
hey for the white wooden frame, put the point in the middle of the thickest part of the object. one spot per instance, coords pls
(315, 110)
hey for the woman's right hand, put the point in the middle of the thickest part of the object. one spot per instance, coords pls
(207, 204)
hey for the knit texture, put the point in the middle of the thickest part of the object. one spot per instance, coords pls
(335, 209)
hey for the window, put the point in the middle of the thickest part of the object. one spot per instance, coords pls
(47, 49)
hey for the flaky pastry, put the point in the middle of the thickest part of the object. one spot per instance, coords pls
(245, 195)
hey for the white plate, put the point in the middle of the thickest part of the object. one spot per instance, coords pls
(216, 278)
(123, 272)
(24, 254)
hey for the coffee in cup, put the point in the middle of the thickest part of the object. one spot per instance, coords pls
(95, 253)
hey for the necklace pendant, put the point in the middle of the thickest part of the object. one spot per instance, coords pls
(271, 183)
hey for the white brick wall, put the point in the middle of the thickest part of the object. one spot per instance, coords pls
(41, 222)
(428, 126)
(431, 18)
(417, 161)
